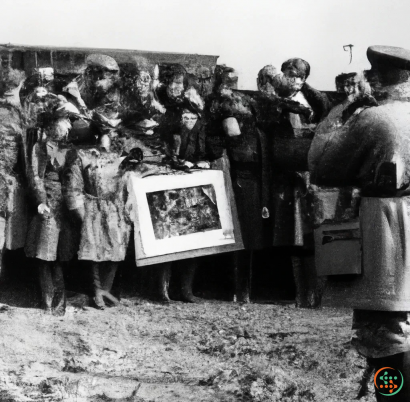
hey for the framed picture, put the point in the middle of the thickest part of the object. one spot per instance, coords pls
(183, 216)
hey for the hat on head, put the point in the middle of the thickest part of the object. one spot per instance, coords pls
(300, 67)
(389, 56)
(103, 61)
(142, 64)
(268, 75)
(225, 75)
(168, 71)
(188, 109)
(341, 78)
(136, 65)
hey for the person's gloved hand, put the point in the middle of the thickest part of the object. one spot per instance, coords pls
(203, 165)
(43, 209)
(188, 164)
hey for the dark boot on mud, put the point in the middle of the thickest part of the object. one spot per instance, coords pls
(47, 287)
(99, 292)
(313, 299)
(163, 277)
(188, 269)
(110, 271)
(301, 291)
(316, 285)
(59, 300)
(242, 268)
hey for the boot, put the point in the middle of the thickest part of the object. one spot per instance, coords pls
(243, 266)
(188, 269)
(46, 284)
(301, 291)
(110, 270)
(315, 284)
(99, 291)
(163, 277)
(59, 300)
(112, 279)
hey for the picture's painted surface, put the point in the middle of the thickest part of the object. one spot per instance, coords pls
(183, 211)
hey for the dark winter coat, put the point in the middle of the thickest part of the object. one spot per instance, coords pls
(50, 236)
(13, 202)
(250, 169)
(292, 201)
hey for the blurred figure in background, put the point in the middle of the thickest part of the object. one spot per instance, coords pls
(13, 208)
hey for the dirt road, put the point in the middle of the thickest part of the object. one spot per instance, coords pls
(214, 351)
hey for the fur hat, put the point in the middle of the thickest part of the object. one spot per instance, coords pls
(167, 72)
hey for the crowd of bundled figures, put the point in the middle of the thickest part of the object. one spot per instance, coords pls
(69, 144)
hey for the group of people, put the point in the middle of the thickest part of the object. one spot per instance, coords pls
(73, 141)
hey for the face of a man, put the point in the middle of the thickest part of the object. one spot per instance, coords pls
(176, 87)
(60, 129)
(189, 120)
(351, 87)
(291, 83)
(10, 91)
(100, 80)
(143, 83)
(40, 92)
(225, 90)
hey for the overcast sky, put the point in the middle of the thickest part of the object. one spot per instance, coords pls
(246, 34)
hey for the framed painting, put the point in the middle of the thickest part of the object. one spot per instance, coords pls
(183, 216)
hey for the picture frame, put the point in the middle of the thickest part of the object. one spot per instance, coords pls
(183, 216)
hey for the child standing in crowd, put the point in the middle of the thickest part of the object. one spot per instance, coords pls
(50, 237)
(95, 192)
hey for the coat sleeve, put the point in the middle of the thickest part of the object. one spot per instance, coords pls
(73, 182)
(201, 154)
(318, 101)
(36, 171)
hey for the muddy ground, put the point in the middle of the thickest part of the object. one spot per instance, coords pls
(143, 351)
